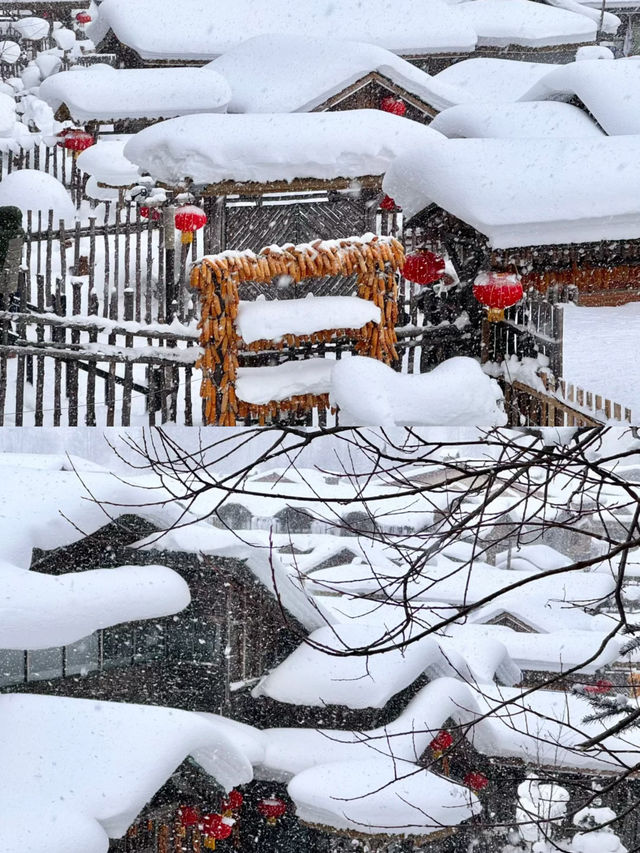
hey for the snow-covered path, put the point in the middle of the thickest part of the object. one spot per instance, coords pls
(602, 352)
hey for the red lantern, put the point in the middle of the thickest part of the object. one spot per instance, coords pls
(189, 218)
(497, 291)
(394, 106)
(188, 816)
(476, 781)
(601, 686)
(150, 213)
(388, 203)
(83, 18)
(272, 808)
(423, 267)
(441, 743)
(76, 141)
(232, 802)
(215, 827)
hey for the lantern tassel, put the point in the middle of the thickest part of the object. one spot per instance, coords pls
(187, 237)
(495, 315)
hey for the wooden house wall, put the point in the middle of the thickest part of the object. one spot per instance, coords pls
(369, 92)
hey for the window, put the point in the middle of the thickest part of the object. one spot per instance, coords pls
(117, 646)
(149, 642)
(44, 663)
(83, 656)
(12, 667)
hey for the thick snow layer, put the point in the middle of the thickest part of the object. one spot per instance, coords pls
(380, 795)
(593, 361)
(609, 89)
(490, 79)
(87, 768)
(271, 319)
(202, 33)
(503, 22)
(577, 190)
(103, 93)
(298, 74)
(7, 114)
(262, 384)
(456, 392)
(31, 189)
(275, 147)
(32, 29)
(106, 162)
(519, 120)
(40, 611)
(606, 22)
(313, 676)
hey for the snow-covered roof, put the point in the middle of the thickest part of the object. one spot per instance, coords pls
(210, 149)
(492, 79)
(606, 21)
(513, 121)
(500, 23)
(576, 191)
(202, 32)
(103, 93)
(311, 675)
(306, 71)
(87, 768)
(106, 163)
(609, 89)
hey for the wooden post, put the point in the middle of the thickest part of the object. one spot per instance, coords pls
(169, 229)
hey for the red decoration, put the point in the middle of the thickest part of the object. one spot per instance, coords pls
(476, 781)
(188, 816)
(441, 743)
(388, 203)
(150, 212)
(215, 827)
(83, 18)
(189, 218)
(601, 686)
(393, 105)
(272, 808)
(232, 802)
(497, 290)
(423, 267)
(76, 141)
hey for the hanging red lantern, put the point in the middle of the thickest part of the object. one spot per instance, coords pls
(272, 808)
(188, 816)
(497, 291)
(76, 141)
(189, 218)
(476, 781)
(215, 827)
(441, 743)
(601, 686)
(232, 802)
(388, 203)
(393, 105)
(150, 213)
(83, 18)
(423, 267)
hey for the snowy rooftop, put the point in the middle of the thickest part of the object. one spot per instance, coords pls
(87, 768)
(609, 89)
(210, 149)
(518, 120)
(492, 79)
(298, 75)
(576, 191)
(103, 93)
(154, 32)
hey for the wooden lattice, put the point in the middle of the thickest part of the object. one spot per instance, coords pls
(374, 260)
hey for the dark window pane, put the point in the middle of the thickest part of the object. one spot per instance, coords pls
(44, 663)
(82, 657)
(149, 642)
(11, 666)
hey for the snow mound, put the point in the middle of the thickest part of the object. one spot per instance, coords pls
(456, 392)
(260, 385)
(30, 189)
(106, 162)
(519, 120)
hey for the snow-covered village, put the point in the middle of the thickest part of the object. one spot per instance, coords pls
(320, 426)
(235, 213)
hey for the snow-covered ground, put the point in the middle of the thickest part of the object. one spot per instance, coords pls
(602, 352)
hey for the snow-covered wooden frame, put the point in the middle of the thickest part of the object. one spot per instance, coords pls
(374, 259)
